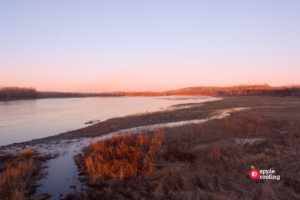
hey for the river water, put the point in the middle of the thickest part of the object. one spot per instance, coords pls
(24, 120)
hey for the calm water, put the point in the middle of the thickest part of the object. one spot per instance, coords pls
(25, 120)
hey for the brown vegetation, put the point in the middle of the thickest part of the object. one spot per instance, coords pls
(8, 93)
(17, 92)
(121, 157)
(205, 162)
(293, 90)
(18, 179)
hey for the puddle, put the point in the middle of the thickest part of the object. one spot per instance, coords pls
(62, 171)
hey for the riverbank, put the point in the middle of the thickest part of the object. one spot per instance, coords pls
(27, 120)
(261, 118)
(62, 173)
(175, 113)
(210, 160)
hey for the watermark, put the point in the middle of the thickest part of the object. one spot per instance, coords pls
(263, 174)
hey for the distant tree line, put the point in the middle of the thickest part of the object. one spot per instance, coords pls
(293, 90)
(28, 93)
(17, 92)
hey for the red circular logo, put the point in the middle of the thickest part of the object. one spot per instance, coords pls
(254, 174)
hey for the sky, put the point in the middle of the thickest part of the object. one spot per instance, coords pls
(149, 45)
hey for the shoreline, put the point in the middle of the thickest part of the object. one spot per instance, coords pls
(67, 149)
(77, 134)
(173, 113)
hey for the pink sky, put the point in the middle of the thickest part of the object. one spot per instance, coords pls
(101, 46)
(144, 75)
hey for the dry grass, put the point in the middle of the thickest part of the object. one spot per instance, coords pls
(18, 180)
(221, 168)
(120, 157)
(205, 162)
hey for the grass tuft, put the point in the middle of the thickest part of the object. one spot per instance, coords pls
(22, 170)
(121, 157)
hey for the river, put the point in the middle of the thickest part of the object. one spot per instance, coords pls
(24, 120)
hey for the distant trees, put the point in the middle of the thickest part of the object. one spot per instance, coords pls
(17, 92)
(293, 90)
(29, 93)
(239, 90)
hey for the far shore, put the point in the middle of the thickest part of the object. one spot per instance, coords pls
(37, 98)
(163, 97)
(23, 93)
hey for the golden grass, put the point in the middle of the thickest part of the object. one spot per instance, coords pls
(121, 157)
(18, 180)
